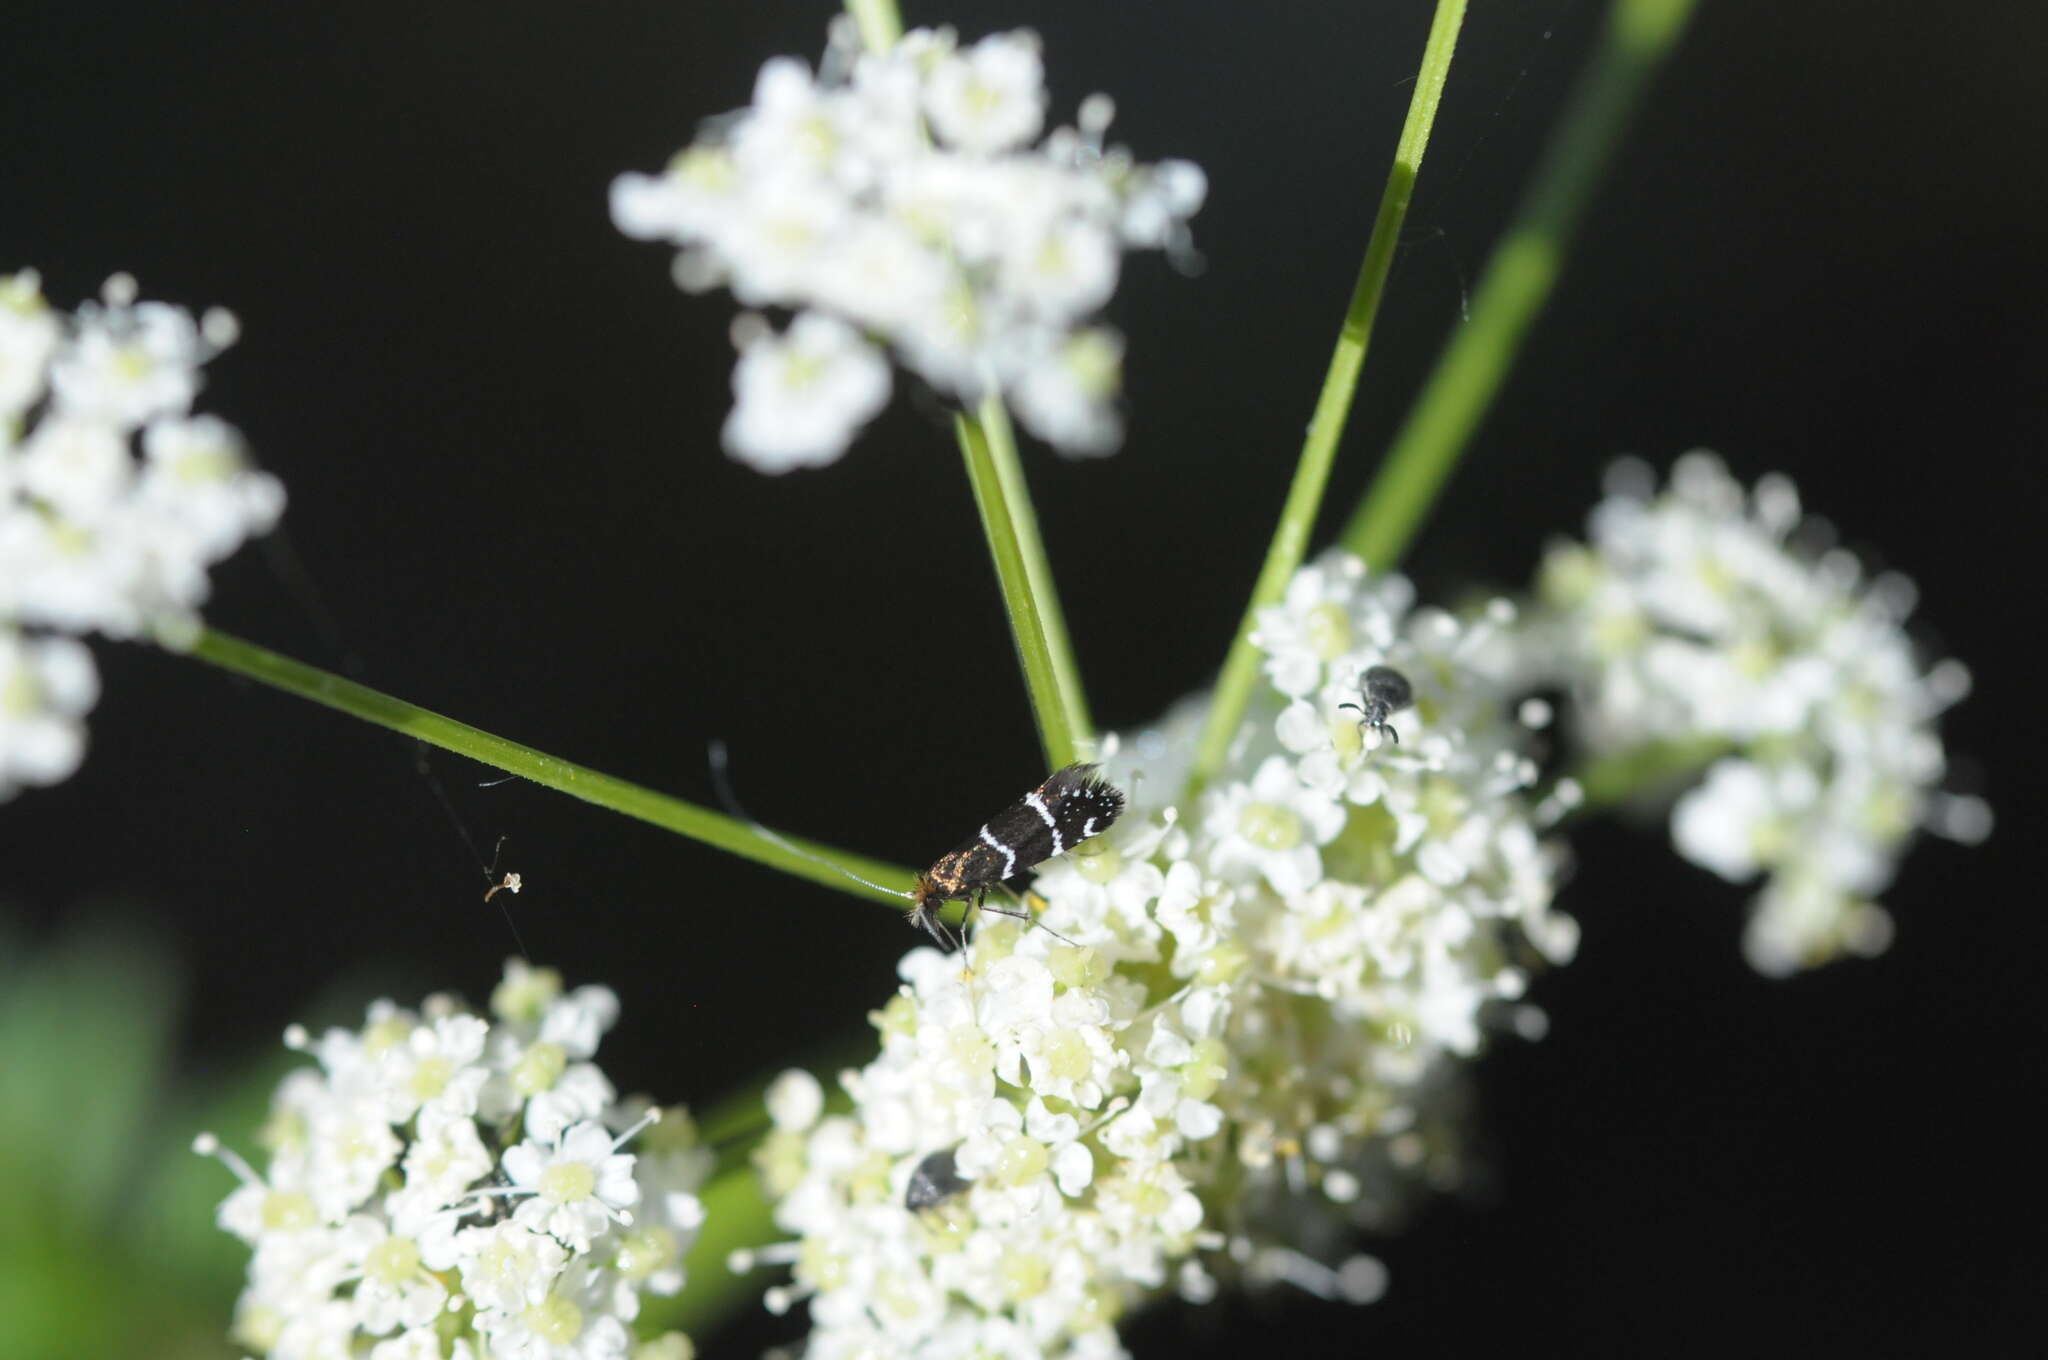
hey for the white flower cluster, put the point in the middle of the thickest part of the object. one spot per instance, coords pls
(1228, 1043)
(445, 1187)
(897, 198)
(1693, 618)
(114, 500)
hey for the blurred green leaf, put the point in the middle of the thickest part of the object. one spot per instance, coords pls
(107, 1241)
(82, 1041)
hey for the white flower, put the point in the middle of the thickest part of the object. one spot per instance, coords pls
(419, 1343)
(128, 363)
(1690, 619)
(77, 465)
(799, 397)
(196, 475)
(90, 539)
(1728, 823)
(1803, 918)
(568, 1322)
(446, 1156)
(352, 1144)
(795, 1100)
(577, 1021)
(580, 1092)
(900, 195)
(383, 1195)
(46, 686)
(507, 1266)
(580, 1184)
(1066, 393)
(1271, 827)
(396, 1289)
(28, 336)
(990, 98)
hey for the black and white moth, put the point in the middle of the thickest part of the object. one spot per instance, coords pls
(1073, 804)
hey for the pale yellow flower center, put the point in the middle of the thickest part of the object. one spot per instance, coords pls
(393, 1261)
(568, 1182)
(539, 1068)
(1270, 826)
(554, 1320)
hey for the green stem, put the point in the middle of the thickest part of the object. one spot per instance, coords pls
(989, 446)
(1517, 280)
(735, 1216)
(731, 834)
(1037, 624)
(1333, 406)
(879, 23)
(1610, 779)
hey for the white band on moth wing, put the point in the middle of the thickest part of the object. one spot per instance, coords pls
(1009, 855)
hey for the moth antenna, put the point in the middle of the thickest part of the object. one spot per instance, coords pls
(723, 786)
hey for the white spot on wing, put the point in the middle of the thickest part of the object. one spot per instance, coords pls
(1009, 855)
(1037, 805)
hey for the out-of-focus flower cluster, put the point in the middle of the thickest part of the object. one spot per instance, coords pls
(114, 500)
(446, 1186)
(1697, 618)
(1234, 1040)
(903, 199)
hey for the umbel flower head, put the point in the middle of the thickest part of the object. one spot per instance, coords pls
(1696, 617)
(114, 500)
(903, 201)
(1236, 1038)
(447, 1185)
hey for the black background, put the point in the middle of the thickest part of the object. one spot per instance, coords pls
(1820, 252)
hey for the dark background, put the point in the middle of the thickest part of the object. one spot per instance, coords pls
(1819, 252)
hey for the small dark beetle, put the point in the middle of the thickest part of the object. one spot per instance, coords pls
(935, 1179)
(1386, 692)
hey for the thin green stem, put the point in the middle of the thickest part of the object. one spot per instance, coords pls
(1333, 406)
(879, 23)
(790, 854)
(1517, 280)
(1037, 623)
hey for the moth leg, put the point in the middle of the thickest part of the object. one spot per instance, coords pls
(928, 917)
(1022, 912)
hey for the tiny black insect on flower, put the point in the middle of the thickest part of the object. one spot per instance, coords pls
(935, 1179)
(1386, 692)
(1070, 806)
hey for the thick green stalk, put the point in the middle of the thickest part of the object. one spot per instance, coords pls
(792, 855)
(1517, 280)
(1333, 406)
(1608, 780)
(1037, 624)
(879, 23)
(735, 1217)
(989, 446)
